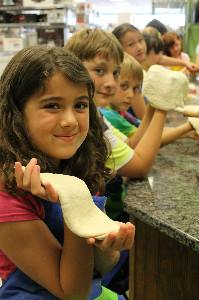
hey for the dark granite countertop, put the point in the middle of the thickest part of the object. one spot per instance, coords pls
(169, 198)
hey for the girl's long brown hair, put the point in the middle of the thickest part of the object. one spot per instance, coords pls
(26, 74)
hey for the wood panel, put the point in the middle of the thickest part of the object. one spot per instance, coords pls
(161, 268)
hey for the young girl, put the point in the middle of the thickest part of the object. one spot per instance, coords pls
(173, 48)
(47, 112)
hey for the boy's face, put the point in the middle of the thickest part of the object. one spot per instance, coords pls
(105, 74)
(134, 44)
(128, 88)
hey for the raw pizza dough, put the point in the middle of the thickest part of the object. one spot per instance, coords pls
(195, 123)
(80, 213)
(165, 89)
(189, 110)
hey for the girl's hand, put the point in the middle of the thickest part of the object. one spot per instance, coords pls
(191, 135)
(121, 240)
(29, 180)
(191, 67)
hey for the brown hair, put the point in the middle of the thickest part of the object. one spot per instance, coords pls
(87, 43)
(26, 74)
(122, 29)
(169, 41)
(153, 42)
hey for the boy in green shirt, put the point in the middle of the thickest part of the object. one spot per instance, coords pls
(131, 78)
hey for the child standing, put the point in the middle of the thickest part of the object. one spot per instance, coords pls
(46, 98)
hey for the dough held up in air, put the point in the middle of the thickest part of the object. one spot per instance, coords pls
(165, 89)
(80, 213)
(195, 123)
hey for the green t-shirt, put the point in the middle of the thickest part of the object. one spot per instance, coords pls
(121, 153)
(118, 121)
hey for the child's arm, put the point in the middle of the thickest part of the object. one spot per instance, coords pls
(135, 138)
(138, 105)
(197, 62)
(107, 252)
(33, 248)
(146, 149)
(170, 134)
(171, 61)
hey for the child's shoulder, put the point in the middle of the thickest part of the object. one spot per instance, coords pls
(185, 56)
(111, 114)
(109, 111)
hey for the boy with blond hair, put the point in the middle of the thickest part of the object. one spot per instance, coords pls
(131, 78)
(102, 55)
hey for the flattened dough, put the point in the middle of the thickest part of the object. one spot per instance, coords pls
(80, 213)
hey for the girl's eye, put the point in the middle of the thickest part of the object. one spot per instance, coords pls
(99, 71)
(81, 105)
(52, 105)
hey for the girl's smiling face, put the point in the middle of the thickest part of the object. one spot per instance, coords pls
(57, 118)
(134, 44)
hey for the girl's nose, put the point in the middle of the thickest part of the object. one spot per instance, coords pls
(68, 118)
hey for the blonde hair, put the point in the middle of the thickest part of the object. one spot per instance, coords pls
(151, 31)
(132, 67)
(87, 43)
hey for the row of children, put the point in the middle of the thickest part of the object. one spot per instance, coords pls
(172, 45)
(49, 122)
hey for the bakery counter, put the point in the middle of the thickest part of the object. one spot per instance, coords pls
(164, 263)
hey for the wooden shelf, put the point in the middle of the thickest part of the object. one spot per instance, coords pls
(33, 25)
(10, 7)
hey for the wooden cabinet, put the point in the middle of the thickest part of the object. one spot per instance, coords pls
(162, 268)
